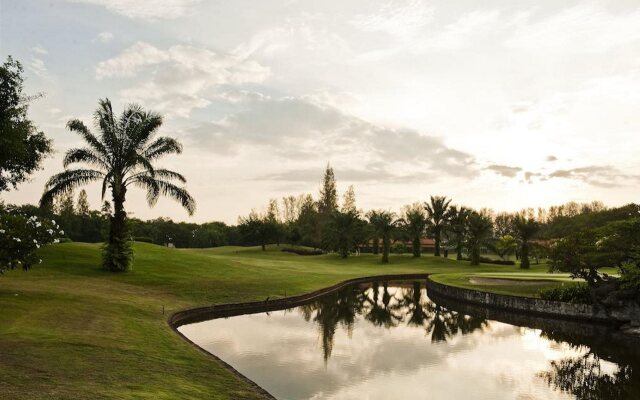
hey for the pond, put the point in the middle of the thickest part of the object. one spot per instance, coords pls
(386, 340)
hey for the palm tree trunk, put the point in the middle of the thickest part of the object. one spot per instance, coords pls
(416, 247)
(436, 234)
(524, 255)
(385, 249)
(117, 252)
(375, 247)
(459, 250)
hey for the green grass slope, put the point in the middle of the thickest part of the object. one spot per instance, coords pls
(69, 330)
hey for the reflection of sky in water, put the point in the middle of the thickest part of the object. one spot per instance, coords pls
(283, 353)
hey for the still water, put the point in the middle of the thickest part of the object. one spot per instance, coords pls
(389, 340)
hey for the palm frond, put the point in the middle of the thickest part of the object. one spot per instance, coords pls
(162, 146)
(66, 181)
(85, 155)
(167, 189)
(77, 126)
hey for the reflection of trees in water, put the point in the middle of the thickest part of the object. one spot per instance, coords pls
(583, 376)
(384, 308)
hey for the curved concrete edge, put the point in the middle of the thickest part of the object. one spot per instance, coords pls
(527, 305)
(199, 314)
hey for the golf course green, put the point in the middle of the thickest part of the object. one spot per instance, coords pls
(71, 330)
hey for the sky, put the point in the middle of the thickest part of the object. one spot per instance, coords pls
(501, 104)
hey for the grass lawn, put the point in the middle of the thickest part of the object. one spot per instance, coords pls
(69, 330)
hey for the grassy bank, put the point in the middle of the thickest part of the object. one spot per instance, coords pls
(69, 330)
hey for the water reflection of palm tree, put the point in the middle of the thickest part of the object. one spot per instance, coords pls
(384, 313)
(412, 301)
(444, 323)
(584, 378)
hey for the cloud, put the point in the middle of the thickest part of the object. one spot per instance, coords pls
(504, 170)
(137, 9)
(37, 66)
(296, 128)
(596, 175)
(586, 27)
(105, 37)
(401, 19)
(180, 78)
(40, 50)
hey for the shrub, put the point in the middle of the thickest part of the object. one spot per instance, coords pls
(399, 248)
(486, 260)
(577, 293)
(302, 252)
(21, 237)
(144, 239)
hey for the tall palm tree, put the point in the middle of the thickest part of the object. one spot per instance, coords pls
(121, 156)
(415, 223)
(384, 223)
(373, 217)
(478, 233)
(458, 217)
(525, 229)
(437, 214)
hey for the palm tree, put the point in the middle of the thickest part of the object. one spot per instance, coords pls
(478, 232)
(458, 217)
(373, 216)
(437, 213)
(415, 223)
(384, 223)
(121, 156)
(525, 229)
(344, 225)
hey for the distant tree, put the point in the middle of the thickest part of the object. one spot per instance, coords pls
(83, 207)
(344, 226)
(478, 234)
(66, 209)
(373, 216)
(458, 222)
(525, 229)
(503, 225)
(274, 220)
(22, 146)
(349, 200)
(327, 205)
(414, 223)
(255, 229)
(122, 156)
(505, 246)
(437, 214)
(384, 223)
(328, 201)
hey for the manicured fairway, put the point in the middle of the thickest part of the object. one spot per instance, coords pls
(69, 330)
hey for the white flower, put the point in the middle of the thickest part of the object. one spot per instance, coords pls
(61, 232)
(17, 239)
(38, 224)
(35, 241)
(53, 221)
(50, 231)
(56, 240)
(2, 231)
(37, 245)
(40, 261)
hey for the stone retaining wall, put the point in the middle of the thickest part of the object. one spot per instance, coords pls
(558, 309)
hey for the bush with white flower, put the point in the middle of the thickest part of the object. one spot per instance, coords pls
(21, 237)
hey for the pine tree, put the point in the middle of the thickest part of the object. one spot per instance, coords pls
(327, 206)
(349, 200)
(83, 203)
(65, 204)
(328, 202)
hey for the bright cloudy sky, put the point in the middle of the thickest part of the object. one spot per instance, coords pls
(497, 104)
